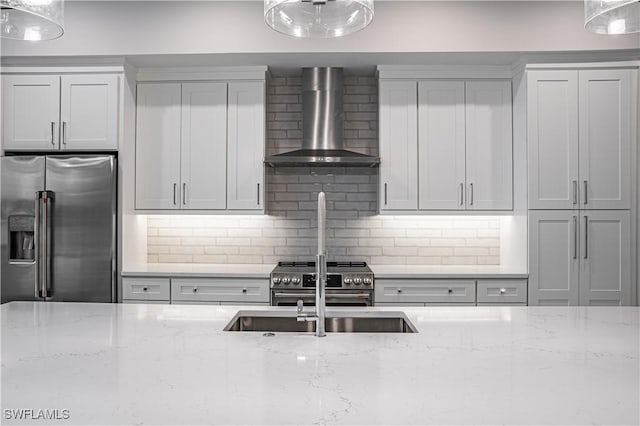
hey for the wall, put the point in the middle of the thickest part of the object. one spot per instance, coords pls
(354, 230)
(201, 27)
(460, 240)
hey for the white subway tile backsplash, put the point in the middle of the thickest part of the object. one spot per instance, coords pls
(354, 229)
(221, 250)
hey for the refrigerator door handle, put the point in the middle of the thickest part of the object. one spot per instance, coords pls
(36, 239)
(43, 214)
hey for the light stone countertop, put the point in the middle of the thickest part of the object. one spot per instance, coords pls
(206, 270)
(446, 271)
(263, 271)
(173, 364)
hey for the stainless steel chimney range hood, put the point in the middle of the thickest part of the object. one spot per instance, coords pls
(322, 125)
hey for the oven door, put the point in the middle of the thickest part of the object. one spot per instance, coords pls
(332, 297)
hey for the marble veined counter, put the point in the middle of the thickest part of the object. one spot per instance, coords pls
(173, 364)
(446, 271)
(199, 270)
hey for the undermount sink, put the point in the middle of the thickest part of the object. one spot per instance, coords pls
(335, 322)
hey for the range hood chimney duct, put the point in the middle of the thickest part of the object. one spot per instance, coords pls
(322, 124)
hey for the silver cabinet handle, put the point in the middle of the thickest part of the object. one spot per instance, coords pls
(195, 289)
(503, 290)
(184, 194)
(399, 290)
(258, 193)
(385, 194)
(575, 237)
(53, 132)
(575, 191)
(586, 192)
(64, 132)
(461, 193)
(175, 187)
(471, 194)
(586, 237)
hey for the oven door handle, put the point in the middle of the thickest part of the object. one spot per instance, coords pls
(329, 295)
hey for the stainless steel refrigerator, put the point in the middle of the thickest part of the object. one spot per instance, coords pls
(58, 228)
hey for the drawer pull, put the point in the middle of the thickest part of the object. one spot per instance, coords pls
(144, 289)
(503, 290)
(244, 290)
(399, 290)
(450, 291)
(195, 289)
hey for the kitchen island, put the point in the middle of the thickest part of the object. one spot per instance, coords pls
(173, 364)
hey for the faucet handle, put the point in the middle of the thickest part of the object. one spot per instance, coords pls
(300, 304)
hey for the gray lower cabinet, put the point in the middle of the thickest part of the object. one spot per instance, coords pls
(405, 291)
(502, 292)
(220, 290)
(196, 291)
(450, 292)
(146, 290)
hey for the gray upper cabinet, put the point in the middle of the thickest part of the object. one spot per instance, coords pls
(200, 146)
(447, 149)
(398, 146)
(579, 139)
(53, 112)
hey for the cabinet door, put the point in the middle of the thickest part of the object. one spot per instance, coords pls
(245, 185)
(158, 146)
(30, 112)
(552, 129)
(146, 289)
(204, 146)
(219, 290)
(441, 145)
(502, 292)
(489, 145)
(553, 258)
(89, 112)
(425, 291)
(605, 139)
(605, 272)
(398, 145)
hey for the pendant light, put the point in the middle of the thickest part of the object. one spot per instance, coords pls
(318, 18)
(612, 16)
(31, 19)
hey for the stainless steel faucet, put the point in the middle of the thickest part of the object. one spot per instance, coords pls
(321, 274)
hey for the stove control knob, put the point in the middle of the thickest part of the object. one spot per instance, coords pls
(348, 280)
(367, 281)
(276, 280)
(358, 281)
(286, 280)
(295, 280)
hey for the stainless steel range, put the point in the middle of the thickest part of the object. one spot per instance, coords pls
(348, 284)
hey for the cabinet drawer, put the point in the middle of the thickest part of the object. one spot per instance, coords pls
(502, 291)
(426, 291)
(145, 288)
(219, 290)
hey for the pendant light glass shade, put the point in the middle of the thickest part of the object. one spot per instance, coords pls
(612, 16)
(318, 18)
(31, 19)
